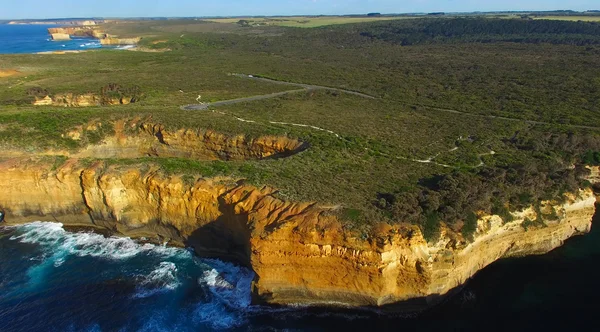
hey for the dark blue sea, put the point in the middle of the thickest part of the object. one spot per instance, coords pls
(52, 279)
(35, 38)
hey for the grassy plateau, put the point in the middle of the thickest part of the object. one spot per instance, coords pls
(470, 115)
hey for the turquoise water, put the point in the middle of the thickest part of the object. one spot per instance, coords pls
(35, 38)
(51, 279)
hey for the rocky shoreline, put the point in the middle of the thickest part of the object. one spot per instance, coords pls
(300, 252)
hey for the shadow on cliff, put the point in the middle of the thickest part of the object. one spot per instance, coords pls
(227, 238)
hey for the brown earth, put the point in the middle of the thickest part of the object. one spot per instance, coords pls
(8, 73)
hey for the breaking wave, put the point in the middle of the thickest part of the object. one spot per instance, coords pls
(229, 295)
(162, 279)
(158, 273)
(54, 239)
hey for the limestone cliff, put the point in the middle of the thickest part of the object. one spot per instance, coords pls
(79, 31)
(299, 251)
(60, 36)
(91, 31)
(137, 138)
(111, 40)
(82, 100)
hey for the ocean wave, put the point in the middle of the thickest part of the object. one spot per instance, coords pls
(53, 238)
(154, 269)
(125, 47)
(91, 45)
(162, 279)
(229, 288)
(58, 245)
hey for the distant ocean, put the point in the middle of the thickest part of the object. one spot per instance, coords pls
(35, 38)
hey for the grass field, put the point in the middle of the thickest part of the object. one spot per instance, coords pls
(570, 18)
(307, 21)
(385, 148)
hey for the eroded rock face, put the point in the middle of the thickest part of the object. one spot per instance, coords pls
(299, 251)
(80, 31)
(83, 100)
(60, 36)
(111, 40)
(92, 31)
(138, 139)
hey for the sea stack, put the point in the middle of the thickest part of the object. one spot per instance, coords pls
(60, 36)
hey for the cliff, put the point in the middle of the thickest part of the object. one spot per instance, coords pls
(119, 41)
(300, 251)
(79, 31)
(83, 100)
(91, 31)
(137, 139)
(60, 36)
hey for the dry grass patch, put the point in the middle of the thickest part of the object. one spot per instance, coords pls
(571, 18)
(8, 73)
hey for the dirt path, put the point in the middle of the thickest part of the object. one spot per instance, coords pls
(305, 87)
(311, 87)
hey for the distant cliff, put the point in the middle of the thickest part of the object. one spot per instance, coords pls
(65, 33)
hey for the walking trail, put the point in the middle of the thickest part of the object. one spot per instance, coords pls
(311, 87)
(305, 87)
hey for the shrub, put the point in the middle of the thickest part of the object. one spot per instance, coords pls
(470, 226)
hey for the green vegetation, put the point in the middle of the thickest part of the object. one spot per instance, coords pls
(470, 225)
(304, 21)
(472, 116)
(426, 31)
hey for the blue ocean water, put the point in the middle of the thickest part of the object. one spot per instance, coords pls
(25, 38)
(55, 280)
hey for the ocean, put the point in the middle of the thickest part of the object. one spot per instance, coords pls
(35, 38)
(52, 279)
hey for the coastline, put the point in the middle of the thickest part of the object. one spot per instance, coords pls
(35, 39)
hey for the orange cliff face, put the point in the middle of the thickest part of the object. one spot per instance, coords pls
(300, 251)
(80, 31)
(137, 139)
(65, 33)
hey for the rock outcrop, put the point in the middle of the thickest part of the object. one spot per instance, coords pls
(91, 31)
(138, 139)
(78, 31)
(60, 36)
(119, 41)
(82, 100)
(300, 251)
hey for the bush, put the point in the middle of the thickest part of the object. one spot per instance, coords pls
(470, 226)
(431, 227)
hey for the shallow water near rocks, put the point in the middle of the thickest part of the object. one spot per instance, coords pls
(35, 38)
(55, 280)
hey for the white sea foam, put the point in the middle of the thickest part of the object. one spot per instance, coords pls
(125, 47)
(58, 245)
(162, 279)
(53, 238)
(229, 287)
